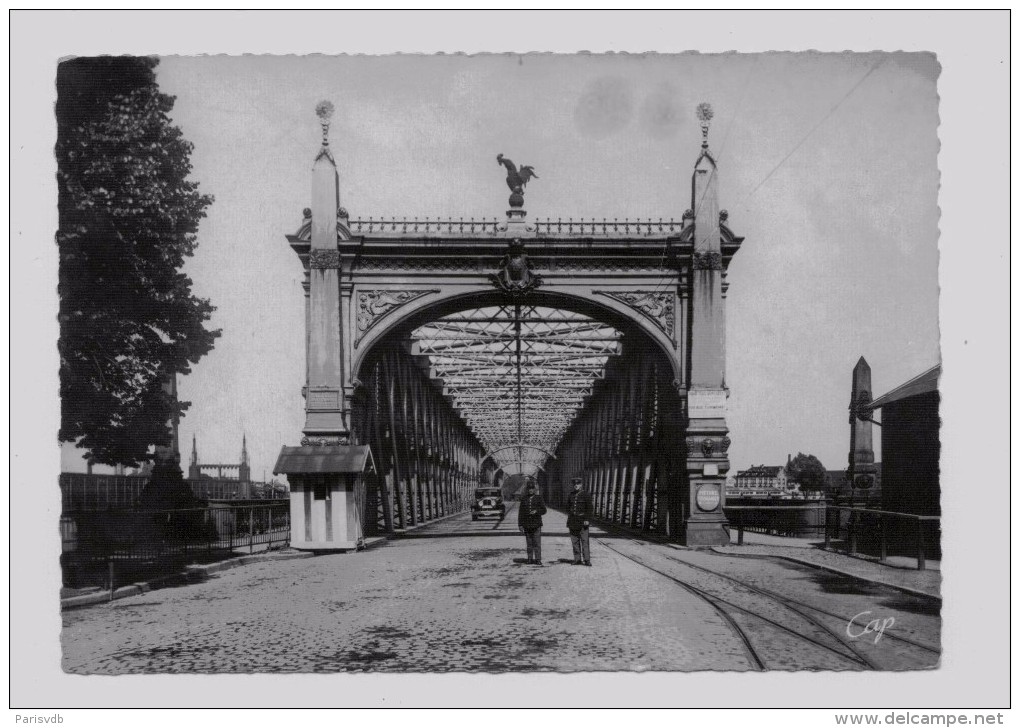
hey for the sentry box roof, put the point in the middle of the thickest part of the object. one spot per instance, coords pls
(324, 459)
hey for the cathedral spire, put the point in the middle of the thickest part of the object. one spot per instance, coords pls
(194, 470)
(244, 469)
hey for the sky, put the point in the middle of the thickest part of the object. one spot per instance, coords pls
(827, 166)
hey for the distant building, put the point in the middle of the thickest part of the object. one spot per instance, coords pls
(763, 481)
(88, 492)
(197, 471)
(217, 481)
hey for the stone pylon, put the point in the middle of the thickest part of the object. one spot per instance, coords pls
(324, 472)
(171, 452)
(862, 467)
(324, 396)
(707, 434)
(167, 488)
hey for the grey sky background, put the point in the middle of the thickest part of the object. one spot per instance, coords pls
(827, 165)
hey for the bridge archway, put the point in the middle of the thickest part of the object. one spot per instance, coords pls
(664, 331)
(371, 284)
(511, 401)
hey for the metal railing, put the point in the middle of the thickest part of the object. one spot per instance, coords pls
(83, 492)
(609, 228)
(796, 520)
(604, 228)
(426, 227)
(876, 531)
(227, 489)
(93, 543)
(849, 529)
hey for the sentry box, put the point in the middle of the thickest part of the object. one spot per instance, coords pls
(327, 495)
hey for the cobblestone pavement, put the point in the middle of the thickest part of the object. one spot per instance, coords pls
(450, 597)
(456, 596)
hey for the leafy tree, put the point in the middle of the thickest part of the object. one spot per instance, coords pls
(127, 219)
(807, 471)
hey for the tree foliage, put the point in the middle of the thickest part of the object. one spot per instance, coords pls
(807, 471)
(128, 217)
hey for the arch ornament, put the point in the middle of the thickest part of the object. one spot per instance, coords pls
(659, 306)
(374, 304)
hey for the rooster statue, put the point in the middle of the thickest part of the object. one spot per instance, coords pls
(516, 179)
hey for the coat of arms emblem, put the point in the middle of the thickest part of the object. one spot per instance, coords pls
(515, 276)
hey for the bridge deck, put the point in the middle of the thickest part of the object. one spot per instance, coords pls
(454, 596)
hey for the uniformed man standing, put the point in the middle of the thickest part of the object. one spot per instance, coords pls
(578, 515)
(529, 520)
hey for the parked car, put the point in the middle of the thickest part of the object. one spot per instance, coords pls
(488, 503)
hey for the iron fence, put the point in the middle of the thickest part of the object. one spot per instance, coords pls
(134, 543)
(799, 520)
(84, 492)
(852, 530)
(883, 533)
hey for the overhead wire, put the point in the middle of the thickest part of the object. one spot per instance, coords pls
(722, 147)
(813, 129)
(835, 107)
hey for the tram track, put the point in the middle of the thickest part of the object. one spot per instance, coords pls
(752, 654)
(887, 633)
(831, 644)
(726, 608)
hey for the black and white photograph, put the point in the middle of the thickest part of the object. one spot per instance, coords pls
(508, 365)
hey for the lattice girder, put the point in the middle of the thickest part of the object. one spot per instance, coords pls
(517, 374)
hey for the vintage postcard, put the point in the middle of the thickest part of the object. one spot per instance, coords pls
(500, 363)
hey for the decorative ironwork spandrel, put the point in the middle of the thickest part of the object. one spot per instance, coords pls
(374, 304)
(334, 441)
(659, 306)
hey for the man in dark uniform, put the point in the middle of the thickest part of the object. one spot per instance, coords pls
(529, 520)
(578, 515)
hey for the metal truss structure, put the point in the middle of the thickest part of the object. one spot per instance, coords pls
(525, 389)
(628, 446)
(517, 374)
(427, 460)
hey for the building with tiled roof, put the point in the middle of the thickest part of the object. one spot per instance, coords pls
(763, 481)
